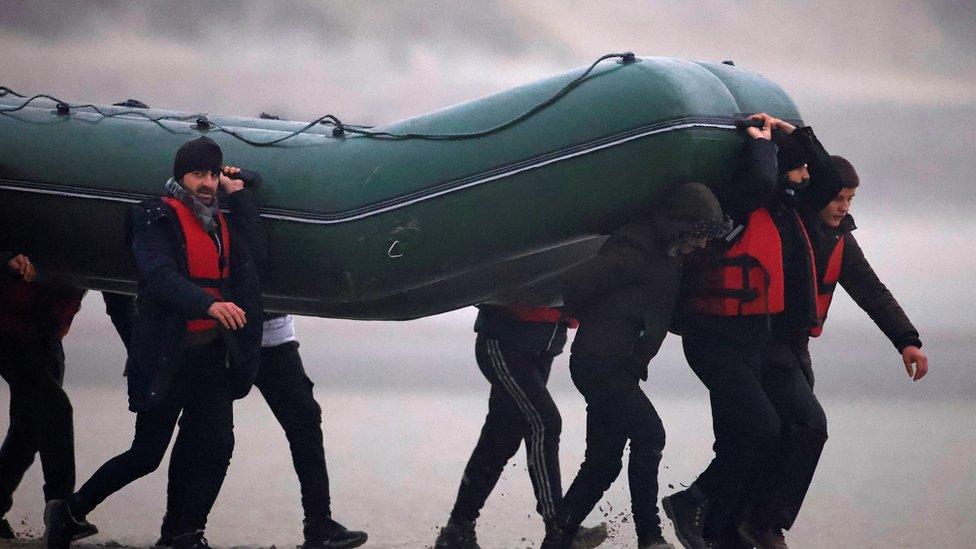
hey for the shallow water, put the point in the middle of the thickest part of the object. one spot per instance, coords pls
(894, 474)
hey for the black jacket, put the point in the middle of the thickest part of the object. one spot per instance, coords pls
(624, 297)
(757, 185)
(167, 298)
(535, 338)
(860, 281)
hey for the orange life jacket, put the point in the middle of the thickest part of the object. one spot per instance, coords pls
(540, 314)
(207, 262)
(826, 286)
(748, 279)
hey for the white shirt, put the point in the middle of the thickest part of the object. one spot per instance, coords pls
(277, 331)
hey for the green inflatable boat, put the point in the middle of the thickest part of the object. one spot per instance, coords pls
(486, 201)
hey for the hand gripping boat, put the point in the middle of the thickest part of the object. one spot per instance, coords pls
(485, 201)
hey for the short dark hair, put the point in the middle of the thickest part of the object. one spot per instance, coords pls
(848, 175)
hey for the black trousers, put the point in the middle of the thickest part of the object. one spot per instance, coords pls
(288, 391)
(784, 484)
(200, 399)
(40, 418)
(746, 424)
(617, 411)
(519, 408)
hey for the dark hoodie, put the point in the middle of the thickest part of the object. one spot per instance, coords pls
(624, 297)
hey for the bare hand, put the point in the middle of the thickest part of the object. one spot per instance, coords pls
(23, 266)
(766, 131)
(916, 363)
(230, 185)
(229, 315)
(783, 126)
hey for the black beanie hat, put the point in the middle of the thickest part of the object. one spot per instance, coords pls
(199, 154)
(848, 176)
(790, 154)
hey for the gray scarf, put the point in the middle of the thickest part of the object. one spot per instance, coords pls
(207, 215)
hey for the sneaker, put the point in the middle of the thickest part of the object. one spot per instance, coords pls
(6, 532)
(333, 535)
(458, 534)
(654, 542)
(588, 537)
(687, 510)
(61, 527)
(191, 540)
(766, 538)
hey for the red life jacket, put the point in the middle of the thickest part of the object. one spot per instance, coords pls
(749, 277)
(540, 314)
(826, 286)
(29, 309)
(207, 265)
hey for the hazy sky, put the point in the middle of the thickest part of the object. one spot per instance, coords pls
(890, 85)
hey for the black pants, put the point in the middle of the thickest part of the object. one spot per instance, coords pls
(200, 398)
(519, 408)
(617, 410)
(40, 418)
(784, 485)
(746, 424)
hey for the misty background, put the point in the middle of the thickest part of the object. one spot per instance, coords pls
(891, 85)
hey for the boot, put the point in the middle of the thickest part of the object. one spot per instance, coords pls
(191, 540)
(61, 527)
(458, 534)
(332, 535)
(559, 536)
(687, 510)
(763, 538)
(653, 542)
(6, 532)
(588, 537)
(167, 531)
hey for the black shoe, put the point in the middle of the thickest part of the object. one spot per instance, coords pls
(458, 534)
(6, 532)
(763, 538)
(588, 537)
(61, 528)
(191, 540)
(333, 535)
(687, 510)
(559, 537)
(167, 531)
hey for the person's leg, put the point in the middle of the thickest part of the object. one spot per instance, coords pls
(207, 433)
(804, 435)
(154, 429)
(746, 425)
(288, 391)
(606, 436)
(40, 420)
(646, 433)
(522, 379)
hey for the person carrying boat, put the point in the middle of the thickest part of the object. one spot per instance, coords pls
(35, 315)
(756, 290)
(195, 342)
(624, 299)
(514, 349)
(838, 259)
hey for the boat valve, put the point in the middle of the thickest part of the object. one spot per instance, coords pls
(628, 58)
(63, 109)
(202, 124)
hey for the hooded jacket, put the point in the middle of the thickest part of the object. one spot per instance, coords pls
(624, 297)
(167, 298)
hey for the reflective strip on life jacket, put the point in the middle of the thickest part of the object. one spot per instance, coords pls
(749, 277)
(540, 314)
(207, 265)
(826, 286)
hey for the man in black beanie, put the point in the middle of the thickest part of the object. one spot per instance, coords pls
(194, 346)
(745, 307)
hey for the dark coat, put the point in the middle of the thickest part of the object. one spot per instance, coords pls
(167, 298)
(860, 281)
(624, 297)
